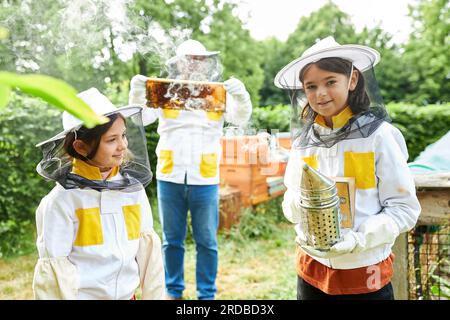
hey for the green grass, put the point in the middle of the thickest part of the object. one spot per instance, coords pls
(256, 261)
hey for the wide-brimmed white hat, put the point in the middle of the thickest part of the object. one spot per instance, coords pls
(191, 48)
(99, 104)
(362, 57)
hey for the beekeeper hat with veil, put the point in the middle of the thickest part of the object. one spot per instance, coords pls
(365, 100)
(134, 172)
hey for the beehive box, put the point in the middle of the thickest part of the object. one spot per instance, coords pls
(284, 140)
(274, 169)
(245, 166)
(248, 180)
(229, 207)
(242, 150)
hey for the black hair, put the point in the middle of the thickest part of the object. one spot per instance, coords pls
(358, 100)
(91, 137)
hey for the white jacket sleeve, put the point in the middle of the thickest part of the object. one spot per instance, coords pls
(149, 256)
(292, 178)
(239, 105)
(138, 96)
(397, 195)
(151, 270)
(55, 277)
(291, 210)
(396, 187)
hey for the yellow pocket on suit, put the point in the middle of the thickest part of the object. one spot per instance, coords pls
(165, 160)
(208, 165)
(89, 227)
(361, 166)
(132, 215)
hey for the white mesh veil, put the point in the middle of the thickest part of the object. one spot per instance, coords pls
(195, 68)
(135, 172)
(365, 101)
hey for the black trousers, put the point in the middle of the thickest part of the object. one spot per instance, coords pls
(305, 291)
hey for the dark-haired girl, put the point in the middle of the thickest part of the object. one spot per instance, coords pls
(345, 132)
(95, 234)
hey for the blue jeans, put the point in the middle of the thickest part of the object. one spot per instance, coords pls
(174, 201)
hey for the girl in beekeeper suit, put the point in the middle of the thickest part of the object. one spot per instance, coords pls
(345, 132)
(95, 234)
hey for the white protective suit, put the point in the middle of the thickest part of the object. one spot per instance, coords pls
(385, 200)
(96, 245)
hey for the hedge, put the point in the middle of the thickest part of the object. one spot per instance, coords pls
(420, 126)
(25, 122)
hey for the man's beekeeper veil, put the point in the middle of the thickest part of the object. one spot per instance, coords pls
(364, 101)
(134, 172)
(193, 62)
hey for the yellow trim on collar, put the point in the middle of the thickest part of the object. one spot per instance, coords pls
(87, 171)
(338, 120)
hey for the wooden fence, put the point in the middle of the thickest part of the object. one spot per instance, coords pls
(433, 191)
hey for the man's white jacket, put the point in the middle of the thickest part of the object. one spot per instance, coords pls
(189, 143)
(385, 200)
(96, 245)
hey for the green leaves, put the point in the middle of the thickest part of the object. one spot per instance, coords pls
(52, 90)
(5, 91)
(4, 33)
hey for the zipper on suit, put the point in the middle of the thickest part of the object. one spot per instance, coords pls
(118, 247)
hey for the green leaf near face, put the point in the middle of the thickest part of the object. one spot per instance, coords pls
(54, 91)
(4, 33)
(5, 91)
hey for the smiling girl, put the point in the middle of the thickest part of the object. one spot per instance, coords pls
(345, 132)
(95, 228)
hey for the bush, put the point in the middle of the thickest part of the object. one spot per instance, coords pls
(276, 117)
(23, 123)
(258, 223)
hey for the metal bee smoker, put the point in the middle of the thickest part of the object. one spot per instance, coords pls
(320, 209)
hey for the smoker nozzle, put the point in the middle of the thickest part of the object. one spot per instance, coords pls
(320, 209)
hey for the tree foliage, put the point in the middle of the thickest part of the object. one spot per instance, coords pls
(427, 53)
(92, 43)
(238, 51)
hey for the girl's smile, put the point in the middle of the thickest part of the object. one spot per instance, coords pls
(113, 147)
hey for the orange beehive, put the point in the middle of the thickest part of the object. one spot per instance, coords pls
(247, 179)
(275, 168)
(229, 208)
(284, 140)
(241, 150)
(245, 166)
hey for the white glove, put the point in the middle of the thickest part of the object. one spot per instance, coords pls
(291, 206)
(137, 93)
(379, 229)
(346, 245)
(237, 89)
